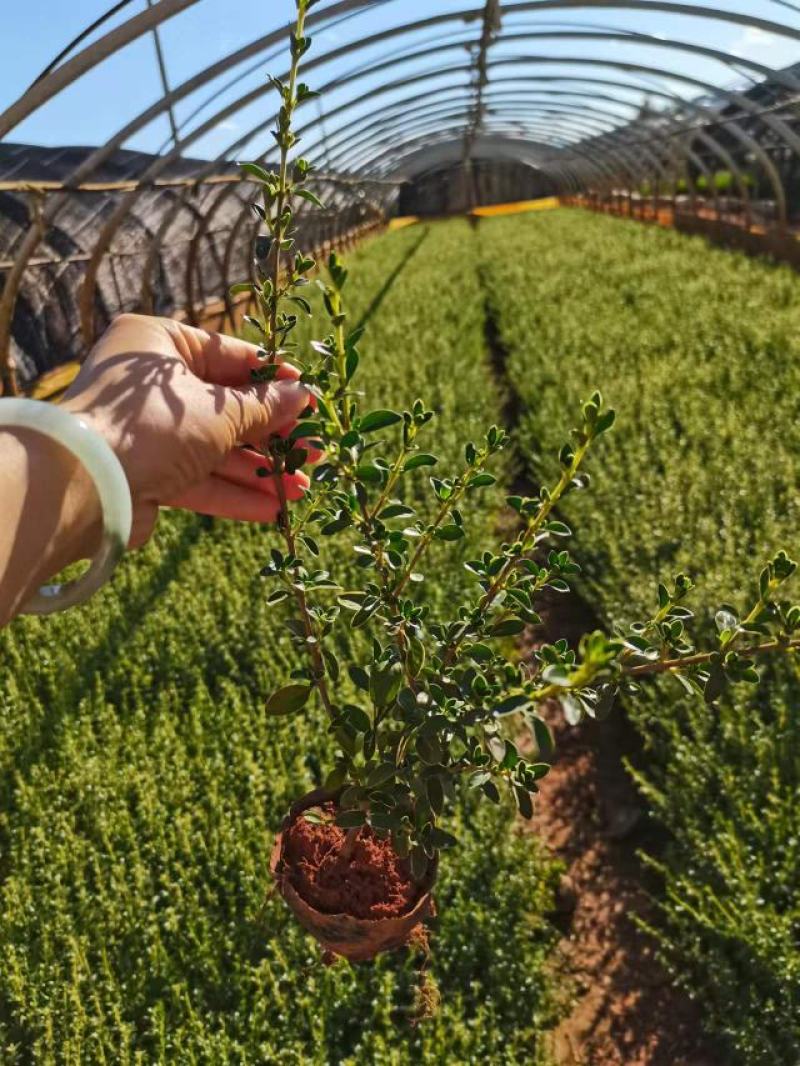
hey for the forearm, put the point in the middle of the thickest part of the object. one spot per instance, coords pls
(50, 515)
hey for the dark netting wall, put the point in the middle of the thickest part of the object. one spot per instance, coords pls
(454, 188)
(650, 108)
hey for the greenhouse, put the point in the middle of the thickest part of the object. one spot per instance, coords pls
(421, 383)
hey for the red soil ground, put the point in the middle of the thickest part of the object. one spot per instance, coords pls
(626, 1012)
(372, 883)
(624, 1009)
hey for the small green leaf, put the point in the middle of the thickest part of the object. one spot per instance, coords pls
(396, 510)
(376, 420)
(331, 664)
(524, 802)
(449, 532)
(386, 819)
(572, 707)
(497, 747)
(433, 787)
(336, 778)
(419, 863)
(295, 459)
(288, 700)
(604, 422)
(380, 774)
(351, 819)
(359, 677)
(429, 749)
(351, 364)
(385, 683)
(511, 704)
(542, 735)
(416, 656)
(481, 653)
(481, 481)
(307, 194)
(509, 628)
(441, 839)
(357, 718)
(369, 473)
(253, 170)
(419, 460)
(716, 684)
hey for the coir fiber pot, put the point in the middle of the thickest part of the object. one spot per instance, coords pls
(356, 939)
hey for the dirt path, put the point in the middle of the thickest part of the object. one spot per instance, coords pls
(625, 1010)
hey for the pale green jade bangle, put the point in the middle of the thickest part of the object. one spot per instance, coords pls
(105, 469)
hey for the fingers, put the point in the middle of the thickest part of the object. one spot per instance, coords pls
(223, 499)
(241, 466)
(313, 454)
(256, 411)
(218, 359)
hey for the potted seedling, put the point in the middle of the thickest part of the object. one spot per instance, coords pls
(428, 706)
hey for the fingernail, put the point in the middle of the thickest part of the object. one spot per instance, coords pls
(292, 392)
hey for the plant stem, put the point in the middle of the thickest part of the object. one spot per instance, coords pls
(663, 666)
(459, 489)
(349, 843)
(394, 474)
(341, 359)
(314, 652)
(283, 197)
(528, 537)
(534, 526)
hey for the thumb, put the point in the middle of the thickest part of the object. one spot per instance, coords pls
(258, 410)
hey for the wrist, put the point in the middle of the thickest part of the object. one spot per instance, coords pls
(54, 511)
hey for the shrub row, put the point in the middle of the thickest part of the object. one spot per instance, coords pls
(140, 785)
(699, 352)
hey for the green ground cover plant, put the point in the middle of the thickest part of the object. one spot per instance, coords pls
(440, 700)
(141, 785)
(698, 350)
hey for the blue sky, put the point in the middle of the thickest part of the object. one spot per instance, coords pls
(113, 93)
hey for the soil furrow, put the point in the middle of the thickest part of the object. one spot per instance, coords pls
(623, 1009)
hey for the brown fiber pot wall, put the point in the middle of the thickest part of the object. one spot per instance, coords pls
(356, 939)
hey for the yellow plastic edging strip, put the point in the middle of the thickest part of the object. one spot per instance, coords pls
(545, 204)
(54, 382)
(401, 223)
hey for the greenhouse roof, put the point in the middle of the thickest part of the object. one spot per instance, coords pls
(591, 94)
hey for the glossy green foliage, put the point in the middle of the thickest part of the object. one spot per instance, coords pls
(141, 785)
(699, 351)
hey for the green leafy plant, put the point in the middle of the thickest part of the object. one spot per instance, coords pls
(440, 699)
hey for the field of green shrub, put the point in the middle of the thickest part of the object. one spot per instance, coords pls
(699, 352)
(141, 785)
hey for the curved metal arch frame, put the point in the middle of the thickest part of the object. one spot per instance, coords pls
(402, 107)
(628, 37)
(603, 165)
(95, 53)
(625, 152)
(745, 138)
(375, 68)
(596, 120)
(747, 106)
(167, 8)
(210, 123)
(230, 109)
(576, 116)
(418, 102)
(345, 6)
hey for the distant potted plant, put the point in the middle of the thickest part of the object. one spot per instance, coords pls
(432, 706)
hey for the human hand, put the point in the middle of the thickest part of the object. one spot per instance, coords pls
(175, 403)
